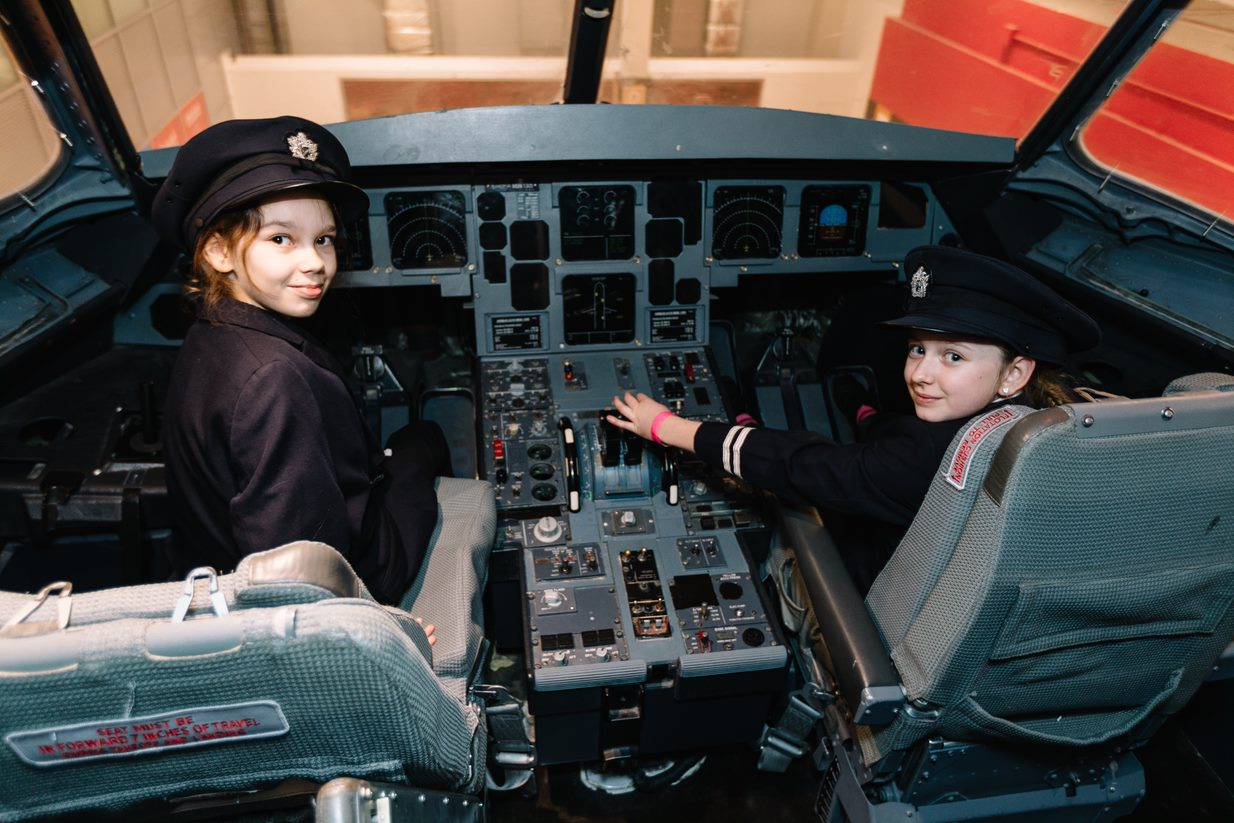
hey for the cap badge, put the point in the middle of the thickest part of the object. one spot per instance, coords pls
(301, 146)
(920, 282)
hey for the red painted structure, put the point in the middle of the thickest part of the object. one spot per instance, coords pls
(994, 66)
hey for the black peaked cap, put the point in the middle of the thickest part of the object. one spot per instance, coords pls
(236, 162)
(960, 292)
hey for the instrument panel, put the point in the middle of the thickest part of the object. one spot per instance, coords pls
(594, 265)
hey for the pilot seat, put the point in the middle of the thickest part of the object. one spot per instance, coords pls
(259, 684)
(1066, 586)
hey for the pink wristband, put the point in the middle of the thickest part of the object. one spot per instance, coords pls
(655, 426)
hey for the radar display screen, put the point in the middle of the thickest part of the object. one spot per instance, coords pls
(597, 222)
(598, 308)
(747, 221)
(833, 221)
(428, 229)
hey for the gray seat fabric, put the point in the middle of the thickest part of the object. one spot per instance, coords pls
(104, 701)
(1203, 381)
(1079, 586)
(446, 592)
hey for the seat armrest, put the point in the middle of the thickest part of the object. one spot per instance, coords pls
(868, 682)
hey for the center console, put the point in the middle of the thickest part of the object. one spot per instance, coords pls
(645, 628)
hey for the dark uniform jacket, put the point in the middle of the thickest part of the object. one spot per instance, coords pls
(867, 492)
(265, 446)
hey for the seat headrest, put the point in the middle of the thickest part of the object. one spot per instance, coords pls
(302, 563)
(1203, 381)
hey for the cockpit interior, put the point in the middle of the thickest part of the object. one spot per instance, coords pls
(1050, 643)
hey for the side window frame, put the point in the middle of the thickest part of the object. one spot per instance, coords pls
(1112, 174)
(26, 95)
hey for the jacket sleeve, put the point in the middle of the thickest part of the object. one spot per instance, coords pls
(285, 482)
(885, 478)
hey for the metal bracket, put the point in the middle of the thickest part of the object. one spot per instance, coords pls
(16, 624)
(217, 601)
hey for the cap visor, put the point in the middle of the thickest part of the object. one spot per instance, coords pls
(947, 325)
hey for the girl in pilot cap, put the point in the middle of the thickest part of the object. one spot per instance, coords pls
(264, 442)
(981, 333)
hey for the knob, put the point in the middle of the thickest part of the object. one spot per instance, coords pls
(604, 654)
(561, 658)
(553, 598)
(547, 529)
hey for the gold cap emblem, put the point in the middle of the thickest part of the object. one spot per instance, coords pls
(301, 146)
(920, 282)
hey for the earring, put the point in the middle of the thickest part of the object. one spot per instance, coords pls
(1004, 390)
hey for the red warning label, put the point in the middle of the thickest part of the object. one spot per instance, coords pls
(957, 470)
(149, 734)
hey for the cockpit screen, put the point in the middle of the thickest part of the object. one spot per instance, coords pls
(428, 229)
(598, 308)
(597, 222)
(747, 222)
(833, 221)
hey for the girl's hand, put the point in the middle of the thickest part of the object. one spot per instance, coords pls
(639, 411)
(430, 631)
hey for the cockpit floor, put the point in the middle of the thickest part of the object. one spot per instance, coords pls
(726, 788)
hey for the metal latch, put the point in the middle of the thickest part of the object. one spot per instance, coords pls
(217, 601)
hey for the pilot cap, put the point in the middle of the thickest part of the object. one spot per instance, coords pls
(233, 163)
(959, 292)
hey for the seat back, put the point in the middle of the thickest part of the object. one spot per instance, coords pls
(1079, 586)
(289, 670)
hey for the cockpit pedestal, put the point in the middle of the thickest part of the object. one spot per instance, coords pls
(645, 627)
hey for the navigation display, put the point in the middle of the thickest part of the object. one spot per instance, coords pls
(598, 308)
(833, 221)
(746, 222)
(428, 229)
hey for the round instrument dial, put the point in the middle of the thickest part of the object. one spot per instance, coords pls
(428, 229)
(747, 222)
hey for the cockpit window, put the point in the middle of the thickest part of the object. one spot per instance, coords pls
(31, 144)
(175, 66)
(1169, 126)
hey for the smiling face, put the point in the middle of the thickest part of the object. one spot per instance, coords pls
(950, 378)
(288, 265)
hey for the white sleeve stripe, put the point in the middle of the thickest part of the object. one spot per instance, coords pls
(741, 438)
(726, 458)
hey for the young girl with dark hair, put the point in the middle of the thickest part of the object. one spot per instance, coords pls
(265, 444)
(979, 333)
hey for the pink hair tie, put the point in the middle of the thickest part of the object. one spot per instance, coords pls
(655, 426)
(864, 411)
